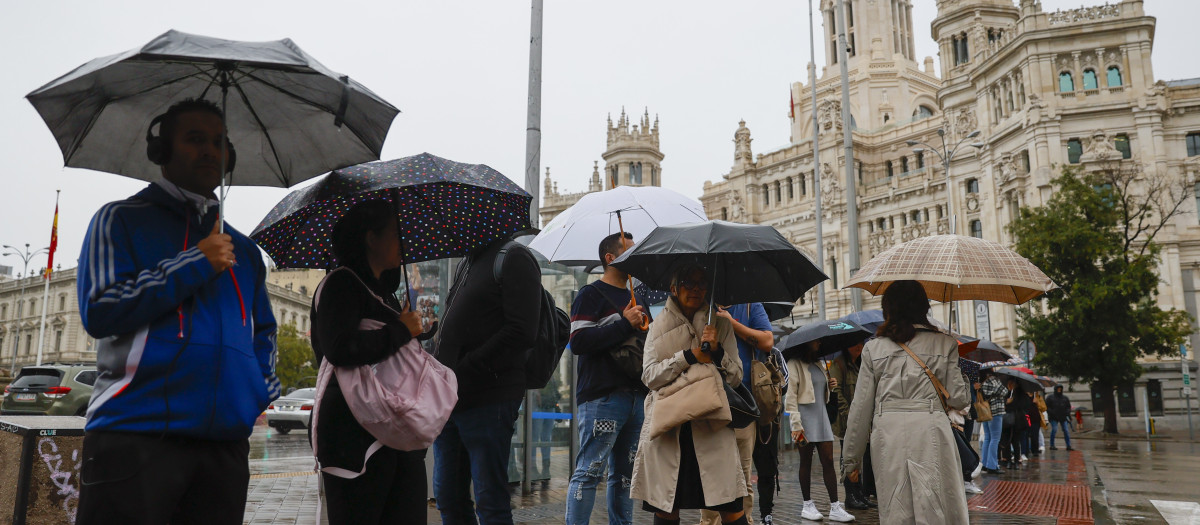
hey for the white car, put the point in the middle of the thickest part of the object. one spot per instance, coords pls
(292, 411)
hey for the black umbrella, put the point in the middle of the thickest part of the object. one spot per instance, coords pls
(986, 351)
(870, 320)
(291, 117)
(835, 336)
(444, 208)
(778, 310)
(1028, 382)
(748, 263)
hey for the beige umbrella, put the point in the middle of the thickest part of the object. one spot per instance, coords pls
(955, 268)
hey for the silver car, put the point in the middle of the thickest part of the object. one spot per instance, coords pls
(292, 411)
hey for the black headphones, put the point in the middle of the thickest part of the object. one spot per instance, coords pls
(158, 148)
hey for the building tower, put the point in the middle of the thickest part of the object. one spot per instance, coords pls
(632, 157)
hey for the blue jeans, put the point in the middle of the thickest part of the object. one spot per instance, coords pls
(474, 448)
(991, 442)
(608, 436)
(1054, 430)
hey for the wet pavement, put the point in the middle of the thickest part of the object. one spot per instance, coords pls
(1122, 481)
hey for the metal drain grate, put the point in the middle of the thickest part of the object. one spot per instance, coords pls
(1035, 499)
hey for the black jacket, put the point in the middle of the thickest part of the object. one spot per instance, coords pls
(488, 327)
(1058, 407)
(336, 336)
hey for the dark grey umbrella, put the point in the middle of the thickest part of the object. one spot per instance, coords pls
(835, 336)
(289, 117)
(778, 310)
(748, 263)
(1028, 382)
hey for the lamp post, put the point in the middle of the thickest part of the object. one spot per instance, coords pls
(946, 155)
(25, 256)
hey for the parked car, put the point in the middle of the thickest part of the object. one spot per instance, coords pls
(292, 411)
(53, 390)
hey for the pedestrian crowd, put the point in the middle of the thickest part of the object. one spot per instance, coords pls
(177, 302)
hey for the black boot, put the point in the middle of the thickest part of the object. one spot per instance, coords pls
(665, 521)
(854, 498)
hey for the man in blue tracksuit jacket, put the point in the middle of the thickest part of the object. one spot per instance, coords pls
(185, 333)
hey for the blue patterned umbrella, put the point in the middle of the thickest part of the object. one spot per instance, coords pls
(445, 209)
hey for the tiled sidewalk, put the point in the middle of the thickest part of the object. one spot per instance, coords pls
(1050, 490)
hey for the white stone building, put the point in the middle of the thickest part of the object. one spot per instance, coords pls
(1044, 89)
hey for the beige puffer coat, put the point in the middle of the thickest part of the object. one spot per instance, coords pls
(656, 467)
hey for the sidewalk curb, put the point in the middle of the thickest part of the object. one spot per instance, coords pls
(1100, 513)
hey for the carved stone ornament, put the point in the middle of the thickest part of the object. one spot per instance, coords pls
(965, 122)
(1098, 147)
(741, 143)
(830, 187)
(1008, 169)
(829, 114)
(737, 209)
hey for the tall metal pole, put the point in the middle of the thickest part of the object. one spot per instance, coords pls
(46, 287)
(848, 140)
(533, 153)
(820, 217)
(533, 128)
(25, 256)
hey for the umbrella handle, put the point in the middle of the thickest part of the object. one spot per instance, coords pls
(629, 281)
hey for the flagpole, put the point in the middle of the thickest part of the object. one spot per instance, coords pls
(46, 277)
(816, 140)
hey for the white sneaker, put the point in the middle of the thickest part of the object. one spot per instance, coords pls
(978, 469)
(837, 512)
(809, 511)
(768, 520)
(1023, 458)
(972, 488)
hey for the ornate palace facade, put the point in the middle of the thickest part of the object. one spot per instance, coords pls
(1043, 89)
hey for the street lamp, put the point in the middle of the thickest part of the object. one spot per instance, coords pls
(946, 154)
(25, 256)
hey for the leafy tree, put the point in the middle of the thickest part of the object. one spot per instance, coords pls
(1095, 239)
(294, 362)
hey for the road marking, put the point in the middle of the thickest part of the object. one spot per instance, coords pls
(1178, 512)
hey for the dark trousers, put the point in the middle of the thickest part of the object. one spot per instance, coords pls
(392, 490)
(472, 450)
(866, 475)
(766, 463)
(1006, 444)
(150, 479)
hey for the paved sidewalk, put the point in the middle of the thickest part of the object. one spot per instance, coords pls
(1050, 490)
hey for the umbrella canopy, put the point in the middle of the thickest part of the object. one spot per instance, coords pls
(778, 310)
(970, 369)
(1028, 381)
(290, 117)
(955, 268)
(446, 209)
(870, 320)
(981, 350)
(573, 237)
(748, 263)
(1014, 361)
(1046, 381)
(835, 336)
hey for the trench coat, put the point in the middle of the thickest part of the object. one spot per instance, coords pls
(656, 466)
(917, 468)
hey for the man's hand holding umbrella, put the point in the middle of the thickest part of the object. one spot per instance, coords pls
(218, 248)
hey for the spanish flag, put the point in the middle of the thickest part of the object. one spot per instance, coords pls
(53, 240)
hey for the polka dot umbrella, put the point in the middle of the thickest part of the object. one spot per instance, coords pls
(445, 209)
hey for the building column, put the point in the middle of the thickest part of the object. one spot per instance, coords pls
(912, 49)
(1077, 79)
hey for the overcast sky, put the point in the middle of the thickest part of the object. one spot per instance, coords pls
(458, 72)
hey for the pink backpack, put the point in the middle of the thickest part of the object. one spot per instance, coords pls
(403, 401)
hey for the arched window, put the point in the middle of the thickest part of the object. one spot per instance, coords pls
(1193, 143)
(977, 229)
(890, 171)
(724, 214)
(1089, 79)
(903, 165)
(1066, 84)
(791, 189)
(635, 173)
(922, 112)
(916, 217)
(778, 192)
(972, 185)
(766, 194)
(921, 160)
(1114, 76)
(803, 184)
(1122, 145)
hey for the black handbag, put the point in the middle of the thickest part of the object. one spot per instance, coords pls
(741, 405)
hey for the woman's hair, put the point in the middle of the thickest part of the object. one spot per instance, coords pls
(350, 233)
(683, 271)
(905, 305)
(807, 355)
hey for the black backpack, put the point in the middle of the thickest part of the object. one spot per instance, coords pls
(554, 330)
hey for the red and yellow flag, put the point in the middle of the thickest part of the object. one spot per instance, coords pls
(53, 240)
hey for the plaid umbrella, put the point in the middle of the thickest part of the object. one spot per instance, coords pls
(446, 209)
(955, 268)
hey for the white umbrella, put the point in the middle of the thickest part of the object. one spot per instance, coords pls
(573, 237)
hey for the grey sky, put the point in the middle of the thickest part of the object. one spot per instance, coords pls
(458, 72)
